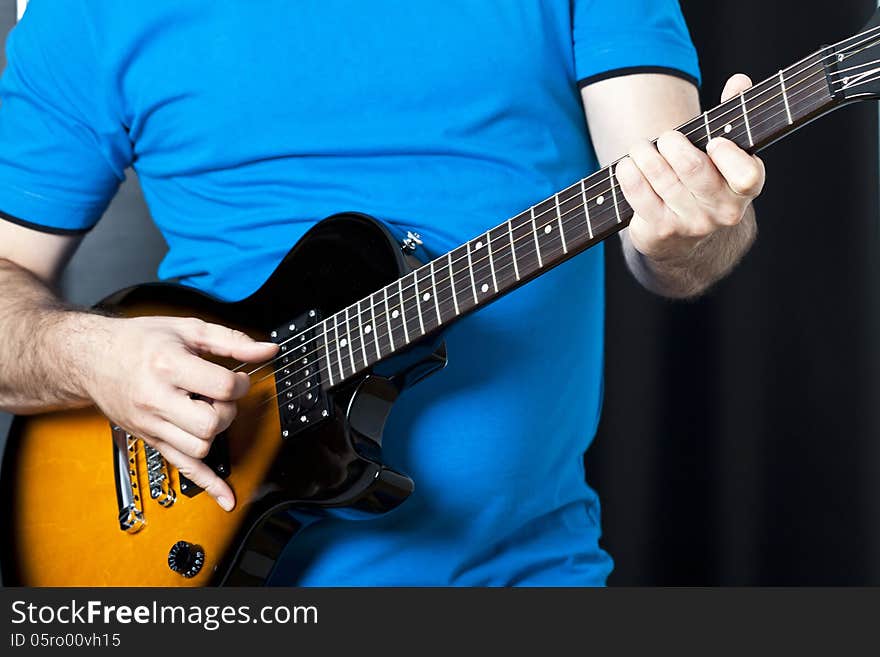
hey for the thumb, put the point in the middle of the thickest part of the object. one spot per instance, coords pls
(226, 342)
(735, 86)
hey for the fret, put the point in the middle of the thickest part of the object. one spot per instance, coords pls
(785, 97)
(427, 297)
(524, 245)
(436, 294)
(335, 319)
(444, 294)
(742, 100)
(559, 220)
(349, 340)
(575, 227)
(402, 310)
(471, 272)
(726, 120)
(411, 306)
(512, 249)
(535, 235)
(362, 334)
(418, 296)
(614, 193)
(452, 283)
(461, 277)
(505, 268)
(326, 351)
(481, 267)
(372, 329)
(708, 131)
(388, 320)
(598, 198)
(491, 262)
(586, 206)
(549, 239)
(765, 111)
(465, 287)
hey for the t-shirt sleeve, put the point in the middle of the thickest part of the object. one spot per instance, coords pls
(63, 147)
(620, 37)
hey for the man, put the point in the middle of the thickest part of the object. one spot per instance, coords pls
(247, 122)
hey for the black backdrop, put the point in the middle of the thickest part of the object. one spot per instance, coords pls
(739, 443)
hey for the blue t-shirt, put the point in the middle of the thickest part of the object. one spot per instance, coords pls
(249, 121)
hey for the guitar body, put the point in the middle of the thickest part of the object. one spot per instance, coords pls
(80, 507)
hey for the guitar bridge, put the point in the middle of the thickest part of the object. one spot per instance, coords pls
(301, 400)
(128, 490)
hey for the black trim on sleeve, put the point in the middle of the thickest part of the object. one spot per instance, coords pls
(41, 228)
(631, 70)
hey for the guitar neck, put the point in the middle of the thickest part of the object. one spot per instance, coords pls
(536, 240)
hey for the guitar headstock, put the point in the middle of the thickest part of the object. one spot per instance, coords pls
(854, 72)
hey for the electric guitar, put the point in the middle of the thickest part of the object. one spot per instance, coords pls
(84, 503)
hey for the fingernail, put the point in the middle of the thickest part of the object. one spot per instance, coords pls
(225, 502)
(713, 145)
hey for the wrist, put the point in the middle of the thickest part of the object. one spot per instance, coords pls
(77, 342)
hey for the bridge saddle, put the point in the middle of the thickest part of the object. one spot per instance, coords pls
(301, 400)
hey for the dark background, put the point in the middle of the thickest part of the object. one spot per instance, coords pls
(739, 439)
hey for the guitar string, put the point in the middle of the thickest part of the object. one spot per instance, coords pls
(368, 305)
(358, 313)
(569, 194)
(734, 108)
(740, 135)
(731, 110)
(358, 340)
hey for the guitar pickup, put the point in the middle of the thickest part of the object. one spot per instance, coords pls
(301, 399)
(217, 459)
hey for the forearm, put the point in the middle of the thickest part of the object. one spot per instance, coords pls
(43, 345)
(689, 276)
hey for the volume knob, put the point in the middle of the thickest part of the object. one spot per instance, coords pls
(186, 559)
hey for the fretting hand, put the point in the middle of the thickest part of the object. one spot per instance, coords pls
(681, 195)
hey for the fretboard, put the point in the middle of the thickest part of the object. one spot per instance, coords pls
(536, 240)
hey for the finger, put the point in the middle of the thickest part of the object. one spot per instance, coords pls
(197, 417)
(226, 342)
(200, 474)
(199, 376)
(663, 179)
(693, 167)
(184, 442)
(638, 191)
(735, 86)
(744, 173)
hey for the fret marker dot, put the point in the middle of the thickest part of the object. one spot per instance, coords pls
(600, 200)
(426, 296)
(478, 246)
(395, 314)
(485, 287)
(548, 230)
(728, 129)
(368, 328)
(343, 342)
